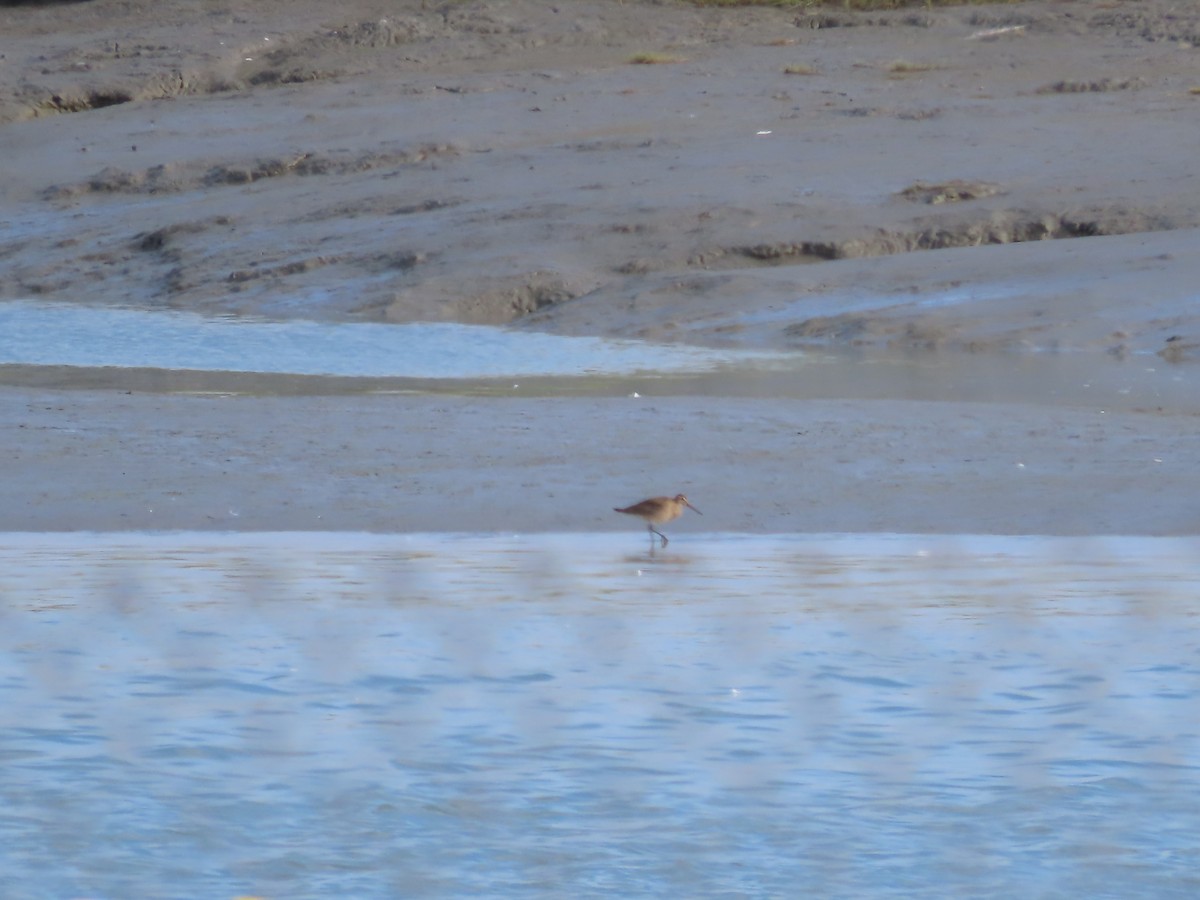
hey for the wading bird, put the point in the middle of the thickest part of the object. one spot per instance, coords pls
(658, 511)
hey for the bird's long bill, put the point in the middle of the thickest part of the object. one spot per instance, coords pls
(692, 508)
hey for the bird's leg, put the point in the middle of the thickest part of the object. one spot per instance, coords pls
(659, 533)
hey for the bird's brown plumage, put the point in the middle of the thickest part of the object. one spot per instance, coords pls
(657, 511)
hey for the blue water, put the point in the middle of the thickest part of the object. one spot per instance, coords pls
(63, 334)
(122, 342)
(321, 715)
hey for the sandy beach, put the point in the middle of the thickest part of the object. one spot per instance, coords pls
(969, 188)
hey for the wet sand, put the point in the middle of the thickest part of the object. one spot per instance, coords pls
(981, 182)
(108, 461)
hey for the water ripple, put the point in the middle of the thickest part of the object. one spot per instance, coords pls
(355, 715)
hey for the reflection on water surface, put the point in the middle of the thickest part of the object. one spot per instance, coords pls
(354, 715)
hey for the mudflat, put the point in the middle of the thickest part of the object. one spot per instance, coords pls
(111, 461)
(965, 187)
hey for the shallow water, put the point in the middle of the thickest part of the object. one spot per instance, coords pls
(319, 715)
(64, 334)
(68, 346)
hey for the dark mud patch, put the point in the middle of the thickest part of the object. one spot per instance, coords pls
(518, 298)
(998, 228)
(192, 264)
(190, 176)
(92, 99)
(1100, 86)
(953, 230)
(164, 239)
(479, 301)
(401, 260)
(378, 206)
(290, 75)
(859, 330)
(432, 205)
(816, 19)
(296, 267)
(611, 146)
(168, 247)
(1181, 23)
(309, 164)
(872, 112)
(509, 299)
(949, 191)
(32, 101)
(919, 115)
(1178, 349)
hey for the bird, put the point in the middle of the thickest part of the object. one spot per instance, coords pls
(657, 511)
